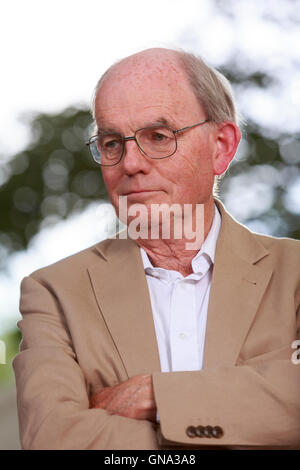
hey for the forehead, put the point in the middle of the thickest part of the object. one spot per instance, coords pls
(143, 89)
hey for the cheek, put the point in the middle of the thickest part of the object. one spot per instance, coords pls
(194, 175)
(111, 184)
(110, 180)
(195, 164)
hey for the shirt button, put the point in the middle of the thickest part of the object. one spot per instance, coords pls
(182, 335)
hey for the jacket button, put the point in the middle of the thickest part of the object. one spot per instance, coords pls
(208, 431)
(191, 431)
(200, 431)
(217, 432)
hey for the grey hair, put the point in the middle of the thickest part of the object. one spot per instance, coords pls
(213, 92)
(210, 87)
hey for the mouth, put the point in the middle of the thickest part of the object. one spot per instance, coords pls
(140, 192)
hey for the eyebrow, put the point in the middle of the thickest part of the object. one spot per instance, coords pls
(157, 122)
(106, 130)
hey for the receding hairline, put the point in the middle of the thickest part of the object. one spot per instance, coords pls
(137, 59)
(211, 88)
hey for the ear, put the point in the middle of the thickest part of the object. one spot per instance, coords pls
(228, 136)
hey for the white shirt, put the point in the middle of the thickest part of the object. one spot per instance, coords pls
(180, 304)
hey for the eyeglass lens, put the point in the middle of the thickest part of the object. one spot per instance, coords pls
(155, 142)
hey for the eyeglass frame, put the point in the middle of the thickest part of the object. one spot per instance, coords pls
(133, 137)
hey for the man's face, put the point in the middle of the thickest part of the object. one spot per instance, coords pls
(136, 96)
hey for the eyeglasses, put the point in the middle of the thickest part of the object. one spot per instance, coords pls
(156, 142)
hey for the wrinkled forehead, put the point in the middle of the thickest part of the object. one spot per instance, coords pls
(143, 79)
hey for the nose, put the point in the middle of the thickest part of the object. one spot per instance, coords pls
(134, 161)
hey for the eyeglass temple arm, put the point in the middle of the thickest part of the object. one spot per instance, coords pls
(190, 127)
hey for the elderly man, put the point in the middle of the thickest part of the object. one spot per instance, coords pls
(145, 344)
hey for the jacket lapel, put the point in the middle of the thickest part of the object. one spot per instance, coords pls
(238, 285)
(121, 290)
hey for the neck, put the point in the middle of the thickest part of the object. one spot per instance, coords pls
(177, 254)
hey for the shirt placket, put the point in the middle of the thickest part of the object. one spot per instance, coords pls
(183, 327)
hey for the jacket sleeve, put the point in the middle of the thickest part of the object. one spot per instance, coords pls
(256, 403)
(52, 397)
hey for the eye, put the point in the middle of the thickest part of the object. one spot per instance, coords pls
(110, 143)
(157, 136)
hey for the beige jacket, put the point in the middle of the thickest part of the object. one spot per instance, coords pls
(87, 323)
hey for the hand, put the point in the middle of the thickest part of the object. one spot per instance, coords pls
(133, 398)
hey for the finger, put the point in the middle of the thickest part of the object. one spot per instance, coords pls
(100, 398)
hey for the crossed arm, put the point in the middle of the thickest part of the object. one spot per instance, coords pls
(256, 403)
(133, 398)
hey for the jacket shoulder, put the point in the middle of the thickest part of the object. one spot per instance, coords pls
(70, 265)
(284, 245)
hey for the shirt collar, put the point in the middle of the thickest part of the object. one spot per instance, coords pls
(206, 254)
(210, 243)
